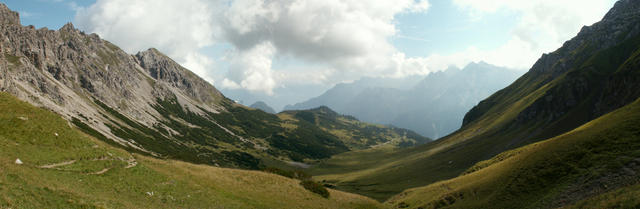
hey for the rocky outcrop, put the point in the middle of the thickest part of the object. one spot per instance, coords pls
(162, 68)
(8, 17)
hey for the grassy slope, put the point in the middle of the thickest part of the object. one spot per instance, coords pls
(29, 133)
(601, 155)
(495, 130)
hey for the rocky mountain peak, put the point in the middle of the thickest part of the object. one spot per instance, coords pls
(68, 27)
(163, 68)
(7, 16)
(623, 8)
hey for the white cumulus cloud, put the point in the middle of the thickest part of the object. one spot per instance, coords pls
(251, 69)
(347, 36)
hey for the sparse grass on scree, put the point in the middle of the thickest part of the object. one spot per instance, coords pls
(83, 172)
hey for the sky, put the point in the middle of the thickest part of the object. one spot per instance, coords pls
(286, 51)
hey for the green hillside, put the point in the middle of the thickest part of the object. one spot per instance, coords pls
(602, 155)
(64, 168)
(353, 133)
(591, 75)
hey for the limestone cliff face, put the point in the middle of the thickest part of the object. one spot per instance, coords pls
(67, 71)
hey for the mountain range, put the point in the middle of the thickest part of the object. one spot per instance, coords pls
(433, 106)
(86, 125)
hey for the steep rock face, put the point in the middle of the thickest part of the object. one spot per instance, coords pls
(8, 17)
(162, 68)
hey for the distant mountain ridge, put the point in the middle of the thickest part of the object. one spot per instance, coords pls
(262, 106)
(355, 134)
(433, 106)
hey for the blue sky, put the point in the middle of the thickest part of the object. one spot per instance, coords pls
(286, 51)
(447, 29)
(45, 13)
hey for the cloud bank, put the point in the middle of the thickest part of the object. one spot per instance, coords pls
(348, 37)
(330, 41)
(344, 37)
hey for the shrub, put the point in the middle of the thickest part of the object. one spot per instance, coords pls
(301, 175)
(315, 187)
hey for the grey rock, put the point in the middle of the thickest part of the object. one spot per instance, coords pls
(8, 17)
